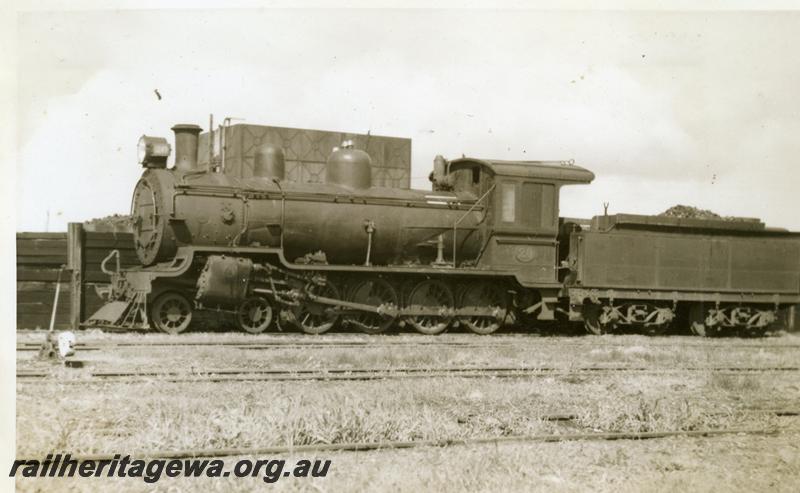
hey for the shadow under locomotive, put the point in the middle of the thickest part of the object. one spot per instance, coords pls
(485, 249)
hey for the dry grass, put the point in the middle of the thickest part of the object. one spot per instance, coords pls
(730, 463)
(736, 383)
(155, 415)
(149, 416)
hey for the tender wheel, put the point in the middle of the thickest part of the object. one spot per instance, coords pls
(316, 318)
(430, 294)
(697, 321)
(753, 331)
(482, 295)
(591, 320)
(375, 292)
(171, 313)
(656, 329)
(254, 315)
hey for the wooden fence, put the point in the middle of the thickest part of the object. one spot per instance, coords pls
(39, 259)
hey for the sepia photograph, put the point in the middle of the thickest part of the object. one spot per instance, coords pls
(400, 246)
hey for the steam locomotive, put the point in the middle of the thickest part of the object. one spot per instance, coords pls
(484, 249)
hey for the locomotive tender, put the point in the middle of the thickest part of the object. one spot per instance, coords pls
(485, 248)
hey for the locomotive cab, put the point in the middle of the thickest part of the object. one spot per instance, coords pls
(522, 203)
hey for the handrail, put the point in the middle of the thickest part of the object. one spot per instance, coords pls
(455, 224)
(245, 208)
(114, 253)
(277, 183)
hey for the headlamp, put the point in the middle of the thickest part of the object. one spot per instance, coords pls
(153, 152)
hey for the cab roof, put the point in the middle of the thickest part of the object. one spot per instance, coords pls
(562, 171)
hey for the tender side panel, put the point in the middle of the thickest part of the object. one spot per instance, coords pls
(681, 262)
(765, 264)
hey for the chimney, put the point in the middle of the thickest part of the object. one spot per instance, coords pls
(186, 146)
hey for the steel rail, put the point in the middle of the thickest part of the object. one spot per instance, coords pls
(319, 378)
(447, 442)
(272, 375)
(29, 346)
(449, 369)
(515, 335)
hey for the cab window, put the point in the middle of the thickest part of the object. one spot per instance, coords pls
(509, 202)
(529, 205)
(539, 205)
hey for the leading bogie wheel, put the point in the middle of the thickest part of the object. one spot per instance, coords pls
(171, 312)
(431, 294)
(254, 315)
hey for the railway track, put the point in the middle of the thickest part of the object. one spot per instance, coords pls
(333, 374)
(389, 445)
(268, 345)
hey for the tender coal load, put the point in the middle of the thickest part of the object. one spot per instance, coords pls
(689, 212)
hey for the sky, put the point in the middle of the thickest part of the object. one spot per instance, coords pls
(691, 107)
